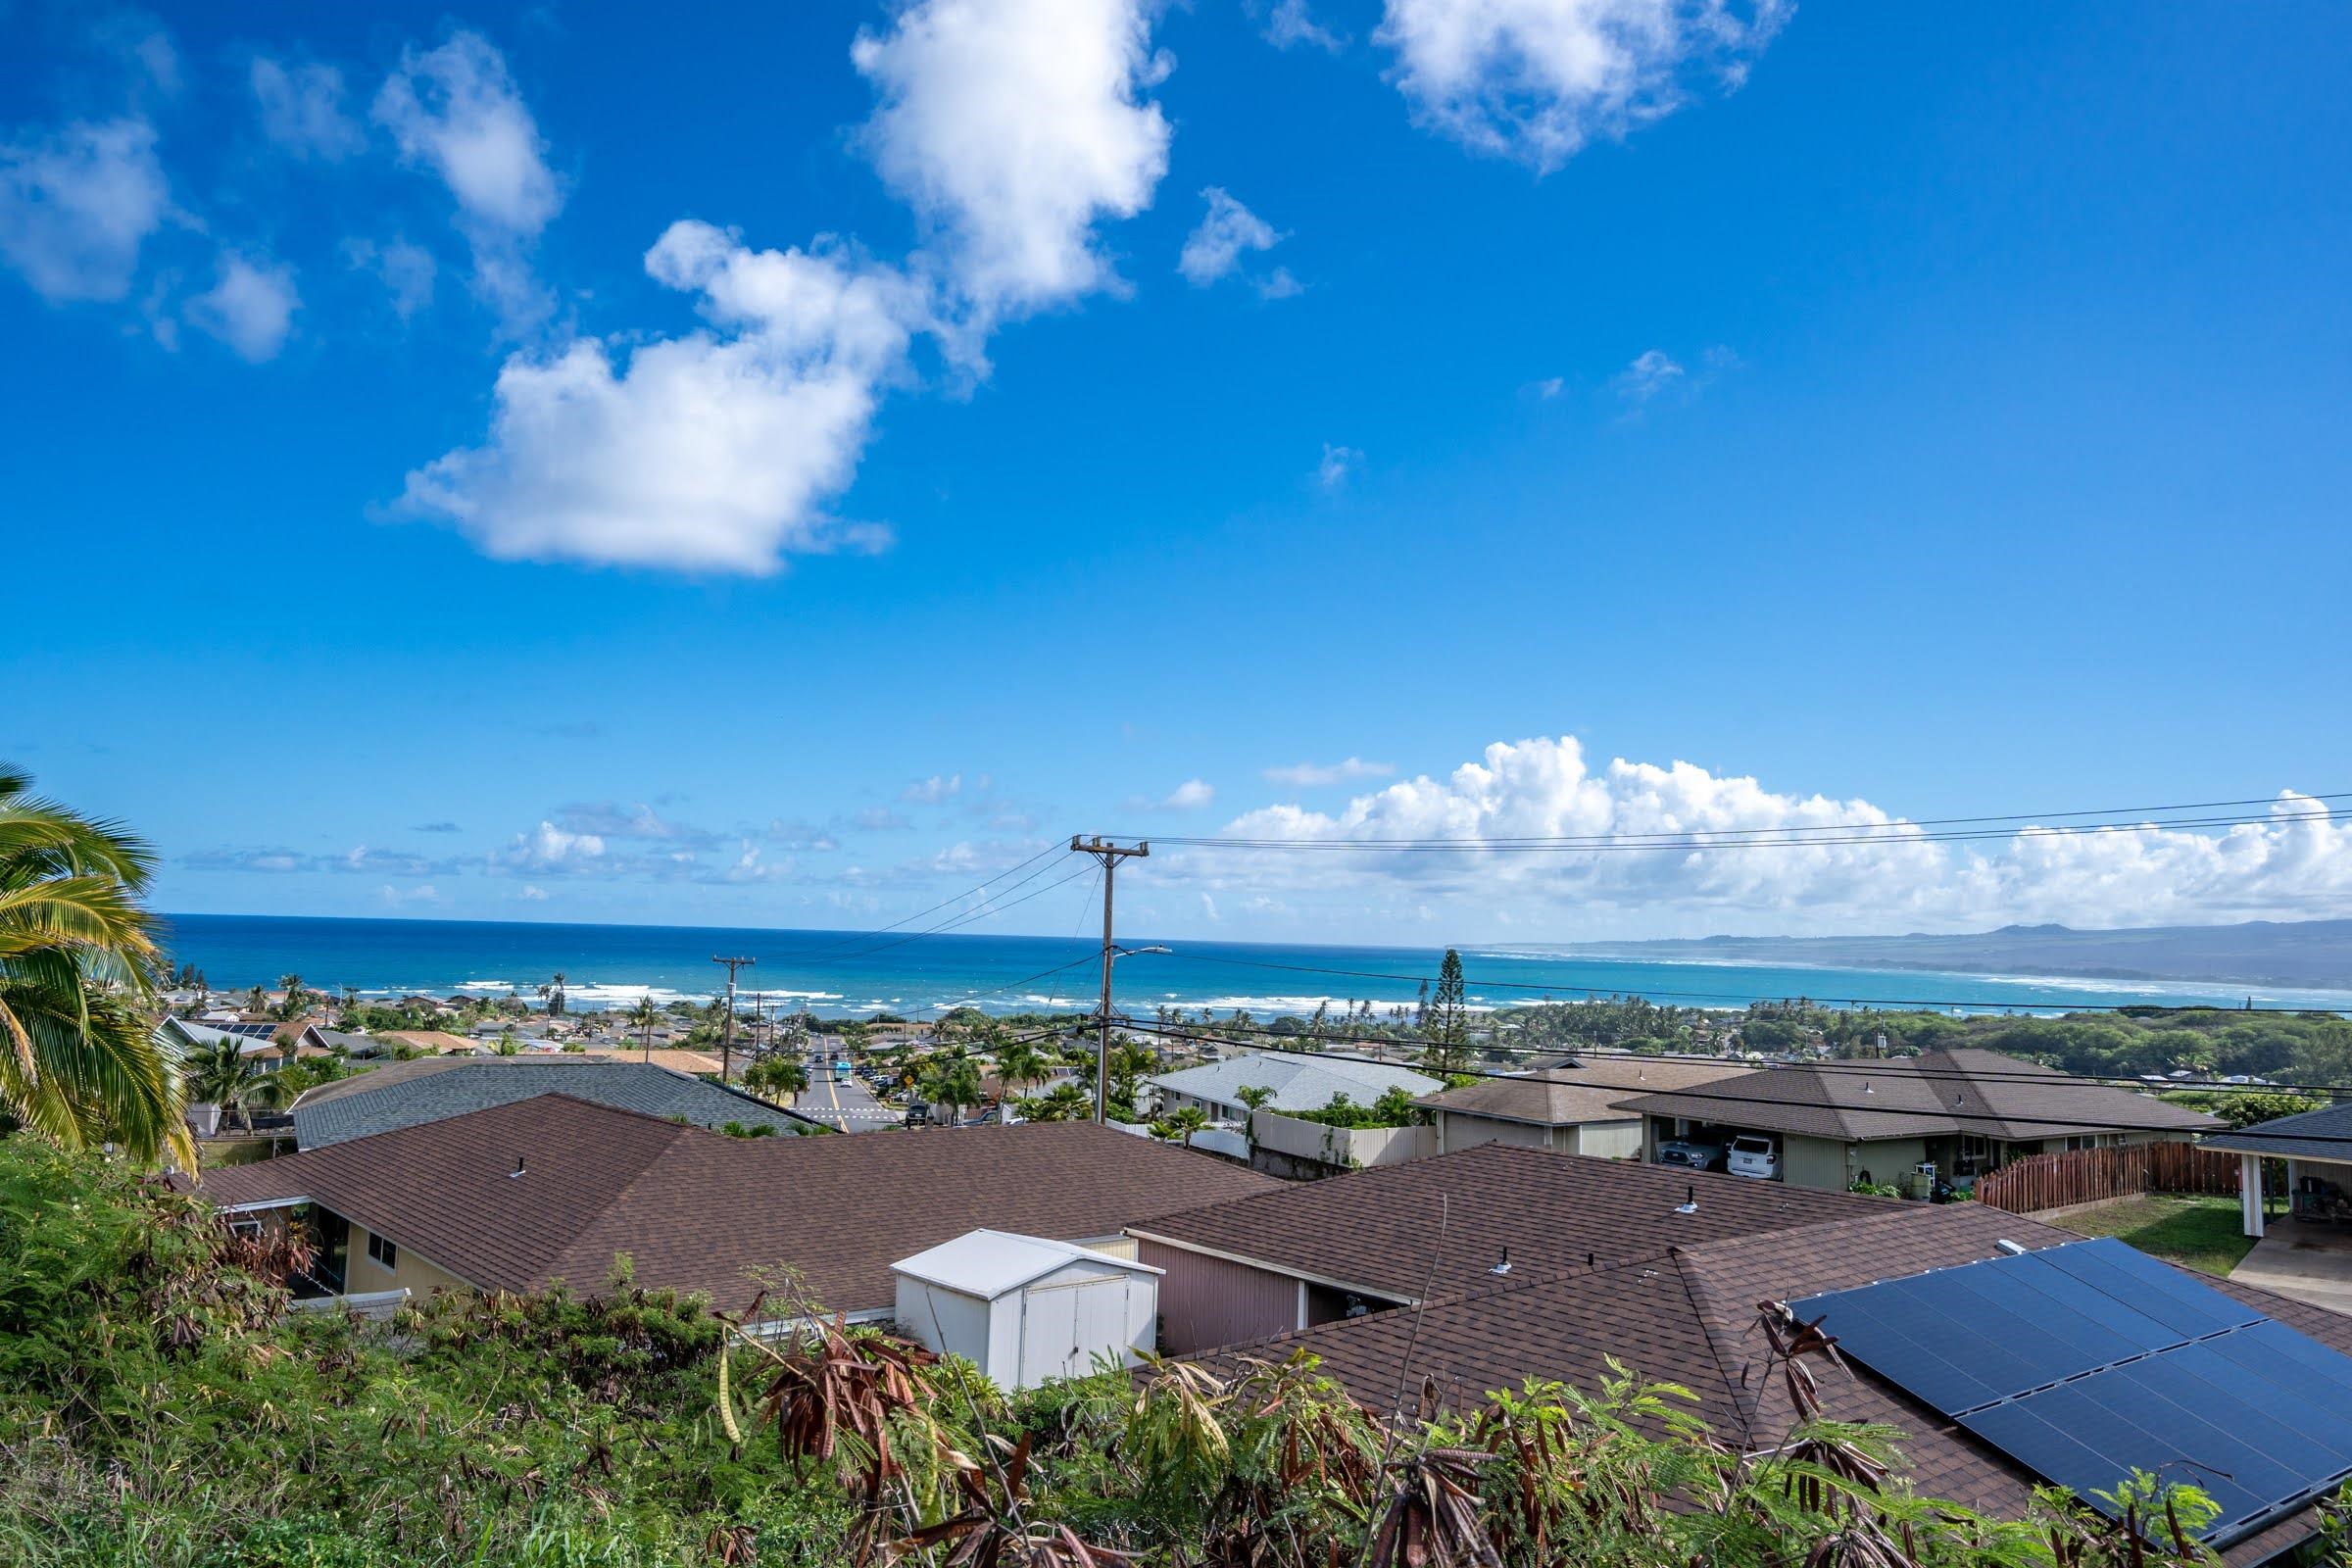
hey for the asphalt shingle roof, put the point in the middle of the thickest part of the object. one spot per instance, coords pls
(1300, 1081)
(1581, 1091)
(1686, 1313)
(1380, 1228)
(2322, 1133)
(699, 1211)
(434, 1089)
(1932, 1094)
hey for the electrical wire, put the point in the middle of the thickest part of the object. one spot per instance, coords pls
(859, 936)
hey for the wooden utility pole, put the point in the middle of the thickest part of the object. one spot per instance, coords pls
(726, 1027)
(1110, 854)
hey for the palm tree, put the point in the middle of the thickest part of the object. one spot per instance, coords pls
(953, 1081)
(291, 985)
(1062, 1102)
(1018, 1065)
(221, 1074)
(80, 1060)
(772, 1076)
(644, 1015)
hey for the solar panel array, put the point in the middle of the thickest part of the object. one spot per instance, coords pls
(2086, 1362)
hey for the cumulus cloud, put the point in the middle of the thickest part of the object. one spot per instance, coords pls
(1703, 877)
(532, 893)
(933, 790)
(548, 847)
(75, 207)
(1653, 371)
(1537, 79)
(712, 452)
(1189, 796)
(1314, 775)
(1291, 22)
(406, 270)
(456, 112)
(301, 108)
(1337, 465)
(1012, 126)
(1215, 246)
(250, 307)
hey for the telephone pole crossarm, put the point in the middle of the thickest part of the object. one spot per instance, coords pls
(1110, 854)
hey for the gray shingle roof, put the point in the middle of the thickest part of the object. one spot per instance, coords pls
(1581, 1091)
(1936, 1092)
(1300, 1082)
(2322, 1133)
(411, 1093)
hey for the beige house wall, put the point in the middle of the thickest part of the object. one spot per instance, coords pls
(1605, 1139)
(419, 1276)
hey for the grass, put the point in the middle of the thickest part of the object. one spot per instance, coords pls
(2199, 1233)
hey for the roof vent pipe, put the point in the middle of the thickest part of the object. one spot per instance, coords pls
(517, 1170)
(1504, 1267)
(1689, 1202)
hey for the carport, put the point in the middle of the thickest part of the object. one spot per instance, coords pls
(2308, 1254)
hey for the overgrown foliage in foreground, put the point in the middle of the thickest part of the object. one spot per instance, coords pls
(159, 1407)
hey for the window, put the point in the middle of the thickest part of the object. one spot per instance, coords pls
(248, 1226)
(382, 1250)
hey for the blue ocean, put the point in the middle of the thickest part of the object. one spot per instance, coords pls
(840, 974)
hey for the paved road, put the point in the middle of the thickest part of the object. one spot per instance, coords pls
(850, 1108)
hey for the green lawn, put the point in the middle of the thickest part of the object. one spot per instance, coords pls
(2201, 1233)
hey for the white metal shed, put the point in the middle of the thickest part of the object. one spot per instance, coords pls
(1024, 1310)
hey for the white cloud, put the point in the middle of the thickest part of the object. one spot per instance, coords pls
(712, 452)
(1650, 373)
(456, 112)
(1012, 126)
(250, 308)
(301, 108)
(933, 790)
(1292, 23)
(1552, 386)
(1189, 796)
(1313, 776)
(75, 207)
(422, 893)
(1337, 465)
(532, 893)
(406, 270)
(1214, 248)
(2295, 865)
(548, 847)
(1537, 79)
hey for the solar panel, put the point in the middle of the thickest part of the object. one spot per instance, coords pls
(2086, 1362)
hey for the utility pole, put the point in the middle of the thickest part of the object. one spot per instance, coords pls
(1110, 854)
(726, 1028)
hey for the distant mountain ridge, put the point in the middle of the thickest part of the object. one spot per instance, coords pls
(2315, 954)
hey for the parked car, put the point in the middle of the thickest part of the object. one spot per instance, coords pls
(1690, 1153)
(1753, 1155)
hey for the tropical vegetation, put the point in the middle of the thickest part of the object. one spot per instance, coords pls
(159, 1406)
(80, 1061)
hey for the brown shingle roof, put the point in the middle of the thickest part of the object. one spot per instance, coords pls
(699, 1211)
(1379, 1228)
(1687, 1315)
(1587, 1090)
(1931, 1095)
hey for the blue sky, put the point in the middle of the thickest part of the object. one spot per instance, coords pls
(546, 429)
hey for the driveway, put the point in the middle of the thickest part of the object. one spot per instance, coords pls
(2308, 1263)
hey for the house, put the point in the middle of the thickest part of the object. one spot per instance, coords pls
(318, 1040)
(696, 1062)
(2307, 1255)
(1684, 1309)
(406, 1094)
(1393, 1235)
(1299, 1081)
(431, 1041)
(516, 1197)
(1965, 1112)
(186, 1038)
(1572, 1107)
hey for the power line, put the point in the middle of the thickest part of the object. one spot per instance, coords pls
(1550, 992)
(1943, 830)
(859, 936)
(995, 905)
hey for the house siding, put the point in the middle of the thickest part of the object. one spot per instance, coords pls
(1459, 1130)
(1207, 1301)
(1817, 1163)
(418, 1276)
(1606, 1140)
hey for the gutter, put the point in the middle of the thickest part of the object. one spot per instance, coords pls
(1351, 1287)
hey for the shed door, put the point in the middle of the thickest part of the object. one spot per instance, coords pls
(1068, 1325)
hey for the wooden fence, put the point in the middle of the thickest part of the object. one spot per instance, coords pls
(2091, 1175)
